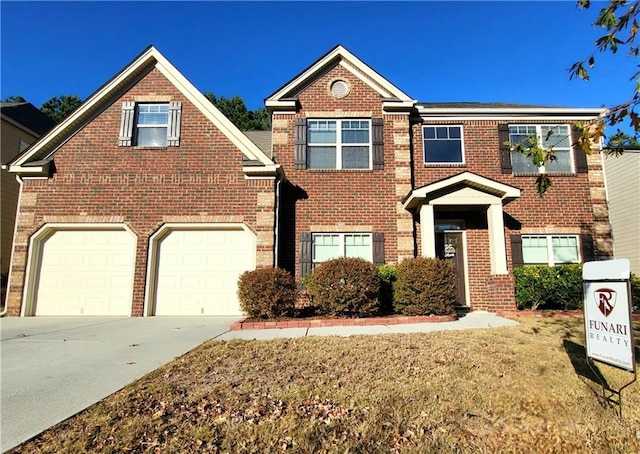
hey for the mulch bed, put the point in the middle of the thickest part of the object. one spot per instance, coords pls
(322, 321)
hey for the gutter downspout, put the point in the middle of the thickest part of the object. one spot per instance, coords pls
(276, 236)
(5, 309)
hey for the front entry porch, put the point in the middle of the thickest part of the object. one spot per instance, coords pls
(461, 218)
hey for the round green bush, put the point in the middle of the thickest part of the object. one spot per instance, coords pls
(345, 287)
(549, 287)
(267, 292)
(425, 286)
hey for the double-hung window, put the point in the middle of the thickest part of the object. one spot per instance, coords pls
(550, 249)
(443, 144)
(557, 137)
(327, 246)
(339, 144)
(152, 122)
(147, 124)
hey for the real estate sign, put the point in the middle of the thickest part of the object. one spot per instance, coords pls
(607, 313)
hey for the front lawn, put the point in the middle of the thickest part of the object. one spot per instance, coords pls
(519, 389)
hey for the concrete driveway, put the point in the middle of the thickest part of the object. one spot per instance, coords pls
(53, 368)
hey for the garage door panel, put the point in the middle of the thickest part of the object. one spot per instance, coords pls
(86, 272)
(198, 271)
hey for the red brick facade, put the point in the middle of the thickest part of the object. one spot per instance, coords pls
(202, 181)
(97, 181)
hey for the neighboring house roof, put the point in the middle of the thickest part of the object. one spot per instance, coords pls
(393, 97)
(150, 58)
(472, 110)
(26, 116)
(262, 139)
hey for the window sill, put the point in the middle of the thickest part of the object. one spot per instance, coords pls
(339, 170)
(149, 147)
(536, 174)
(444, 164)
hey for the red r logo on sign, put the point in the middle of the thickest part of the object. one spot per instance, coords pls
(605, 299)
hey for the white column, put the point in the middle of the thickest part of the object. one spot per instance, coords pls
(427, 231)
(497, 248)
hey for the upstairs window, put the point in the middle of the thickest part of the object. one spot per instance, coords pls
(338, 144)
(550, 249)
(550, 136)
(443, 144)
(150, 124)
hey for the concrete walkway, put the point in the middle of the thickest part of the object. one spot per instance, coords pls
(55, 367)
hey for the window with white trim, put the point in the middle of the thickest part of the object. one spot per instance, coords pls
(443, 144)
(550, 249)
(327, 246)
(557, 137)
(339, 144)
(152, 123)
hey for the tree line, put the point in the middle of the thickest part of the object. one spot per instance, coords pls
(60, 107)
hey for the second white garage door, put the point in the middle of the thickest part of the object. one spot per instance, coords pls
(198, 271)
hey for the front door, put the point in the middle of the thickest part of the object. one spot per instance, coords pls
(450, 246)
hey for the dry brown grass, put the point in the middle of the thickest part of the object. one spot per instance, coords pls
(519, 389)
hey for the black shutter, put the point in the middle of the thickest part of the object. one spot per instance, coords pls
(586, 243)
(378, 248)
(579, 155)
(377, 143)
(175, 115)
(305, 253)
(126, 123)
(516, 251)
(505, 149)
(300, 160)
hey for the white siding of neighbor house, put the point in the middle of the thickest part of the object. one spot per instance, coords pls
(623, 187)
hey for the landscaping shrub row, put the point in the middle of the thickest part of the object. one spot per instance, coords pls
(354, 287)
(559, 287)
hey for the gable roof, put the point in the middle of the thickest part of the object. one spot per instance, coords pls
(26, 116)
(284, 97)
(43, 151)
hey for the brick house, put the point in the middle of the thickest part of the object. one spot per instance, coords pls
(352, 167)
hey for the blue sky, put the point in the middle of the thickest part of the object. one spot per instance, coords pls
(434, 51)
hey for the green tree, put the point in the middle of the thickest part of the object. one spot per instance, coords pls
(15, 98)
(59, 107)
(619, 19)
(235, 109)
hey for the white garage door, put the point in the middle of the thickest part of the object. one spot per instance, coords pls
(198, 271)
(86, 272)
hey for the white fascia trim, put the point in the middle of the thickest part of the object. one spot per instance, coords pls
(403, 105)
(537, 118)
(266, 171)
(248, 148)
(366, 80)
(29, 171)
(513, 110)
(89, 104)
(288, 104)
(505, 191)
(354, 61)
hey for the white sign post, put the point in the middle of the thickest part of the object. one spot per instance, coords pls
(607, 316)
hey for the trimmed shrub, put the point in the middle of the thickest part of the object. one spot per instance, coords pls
(267, 292)
(347, 287)
(548, 287)
(388, 275)
(635, 293)
(425, 286)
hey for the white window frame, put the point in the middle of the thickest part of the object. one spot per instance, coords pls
(550, 258)
(339, 144)
(341, 244)
(539, 135)
(424, 149)
(139, 126)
